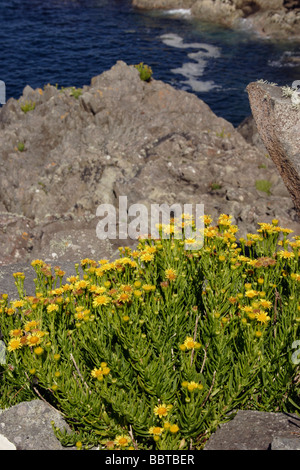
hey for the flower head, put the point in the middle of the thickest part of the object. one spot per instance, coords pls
(162, 410)
(14, 343)
(171, 274)
(122, 441)
(189, 343)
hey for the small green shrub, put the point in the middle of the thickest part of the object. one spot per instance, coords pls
(154, 350)
(21, 146)
(264, 186)
(72, 91)
(145, 71)
(27, 106)
(215, 186)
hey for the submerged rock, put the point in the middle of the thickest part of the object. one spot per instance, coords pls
(65, 152)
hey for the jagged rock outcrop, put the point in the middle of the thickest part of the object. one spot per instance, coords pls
(121, 137)
(278, 122)
(275, 18)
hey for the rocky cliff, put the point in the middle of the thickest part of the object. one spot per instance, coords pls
(274, 18)
(65, 152)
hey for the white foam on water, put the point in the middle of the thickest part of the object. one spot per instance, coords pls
(179, 12)
(194, 70)
(286, 60)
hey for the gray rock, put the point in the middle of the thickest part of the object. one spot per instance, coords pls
(278, 123)
(256, 430)
(285, 443)
(27, 426)
(271, 18)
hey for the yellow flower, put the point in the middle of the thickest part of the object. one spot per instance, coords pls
(147, 257)
(156, 430)
(189, 343)
(33, 340)
(18, 303)
(18, 274)
(98, 373)
(124, 297)
(31, 325)
(207, 219)
(171, 274)
(262, 317)
(224, 219)
(148, 287)
(122, 440)
(286, 254)
(38, 351)
(81, 284)
(101, 300)
(15, 333)
(174, 428)
(251, 293)
(265, 303)
(14, 344)
(162, 410)
(72, 279)
(52, 308)
(37, 262)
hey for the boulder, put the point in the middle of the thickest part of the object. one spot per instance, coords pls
(27, 426)
(278, 122)
(257, 430)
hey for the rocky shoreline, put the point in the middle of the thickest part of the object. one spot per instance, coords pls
(121, 136)
(277, 19)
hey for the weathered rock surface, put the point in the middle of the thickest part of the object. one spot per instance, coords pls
(278, 123)
(121, 137)
(27, 426)
(274, 18)
(257, 430)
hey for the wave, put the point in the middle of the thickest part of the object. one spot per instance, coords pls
(193, 70)
(179, 12)
(287, 59)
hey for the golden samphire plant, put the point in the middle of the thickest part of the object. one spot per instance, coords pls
(156, 349)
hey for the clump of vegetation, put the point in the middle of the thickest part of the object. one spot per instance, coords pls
(72, 91)
(155, 349)
(215, 186)
(264, 186)
(145, 71)
(27, 106)
(21, 146)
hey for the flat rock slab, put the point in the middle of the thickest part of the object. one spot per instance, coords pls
(27, 426)
(257, 430)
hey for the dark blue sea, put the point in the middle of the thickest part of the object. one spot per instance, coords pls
(67, 42)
